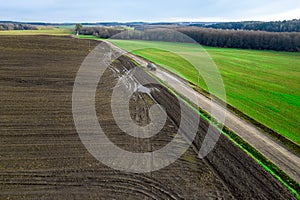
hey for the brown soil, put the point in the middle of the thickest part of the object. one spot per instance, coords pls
(42, 157)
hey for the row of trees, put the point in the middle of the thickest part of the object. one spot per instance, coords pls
(101, 32)
(244, 39)
(275, 26)
(166, 35)
(260, 40)
(16, 26)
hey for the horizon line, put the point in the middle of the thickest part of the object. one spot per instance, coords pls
(138, 21)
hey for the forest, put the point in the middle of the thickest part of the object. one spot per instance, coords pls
(260, 40)
(273, 26)
(243, 39)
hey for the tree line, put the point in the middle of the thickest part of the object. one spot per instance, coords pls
(16, 26)
(260, 40)
(101, 32)
(273, 26)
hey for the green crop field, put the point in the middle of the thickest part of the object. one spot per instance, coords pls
(42, 31)
(262, 84)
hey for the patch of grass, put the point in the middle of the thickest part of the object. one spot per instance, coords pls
(88, 37)
(262, 84)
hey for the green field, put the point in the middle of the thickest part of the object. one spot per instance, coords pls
(41, 31)
(262, 84)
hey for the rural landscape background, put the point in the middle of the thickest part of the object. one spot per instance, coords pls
(254, 153)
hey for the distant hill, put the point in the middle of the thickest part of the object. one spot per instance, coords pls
(273, 26)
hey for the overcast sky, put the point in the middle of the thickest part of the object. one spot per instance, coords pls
(149, 10)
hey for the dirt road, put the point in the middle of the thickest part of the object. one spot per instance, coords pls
(277, 153)
(42, 156)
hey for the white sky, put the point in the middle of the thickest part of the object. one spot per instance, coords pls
(151, 11)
